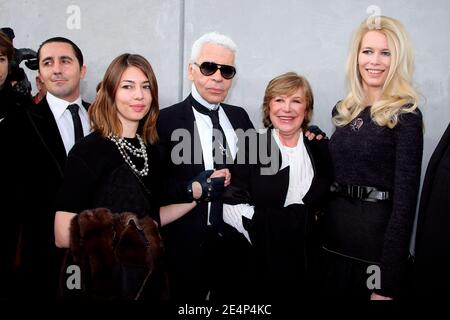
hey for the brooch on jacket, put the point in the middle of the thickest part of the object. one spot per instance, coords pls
(356, 124)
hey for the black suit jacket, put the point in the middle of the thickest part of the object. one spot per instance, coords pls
(31, 174)
(432, 257)
(186, 234)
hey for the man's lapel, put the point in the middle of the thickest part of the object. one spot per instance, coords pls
(46, 128)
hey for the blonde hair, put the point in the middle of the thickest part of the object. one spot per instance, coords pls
(103, 111)
(287, 84)
(398, 95)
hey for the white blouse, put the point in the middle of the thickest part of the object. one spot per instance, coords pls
(301, 171)
(301, 174)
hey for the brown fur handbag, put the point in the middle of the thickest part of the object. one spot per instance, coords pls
(120, 256)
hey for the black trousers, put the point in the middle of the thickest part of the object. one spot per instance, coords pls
(217, 269)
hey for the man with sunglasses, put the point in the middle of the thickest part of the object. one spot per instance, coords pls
(200, 247)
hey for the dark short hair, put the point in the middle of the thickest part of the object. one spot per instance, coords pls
(6, 46)
(75, 48)
(9, 33)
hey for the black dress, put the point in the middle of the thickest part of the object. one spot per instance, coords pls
(284, 239)
(96, 176)
(358, 233)
(11, 101)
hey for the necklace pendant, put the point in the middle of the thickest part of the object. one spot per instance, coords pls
(126, 148)
(222, 149)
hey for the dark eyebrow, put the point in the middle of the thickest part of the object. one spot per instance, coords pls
(60, 58)
(385, 49)
(131, 81)
(66, 57)
(47, 59)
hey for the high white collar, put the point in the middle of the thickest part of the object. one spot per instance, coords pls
(58, 105)
(202, 101)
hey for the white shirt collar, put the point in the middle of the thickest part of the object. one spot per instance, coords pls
(58, 106)
(286, 148)
(202, 101)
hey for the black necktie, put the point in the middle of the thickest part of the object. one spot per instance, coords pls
(77, 126)
(221, 150)
(221, 155)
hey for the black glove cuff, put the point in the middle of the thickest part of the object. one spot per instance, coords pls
(212, 188)
(206, 189)
(190, 193)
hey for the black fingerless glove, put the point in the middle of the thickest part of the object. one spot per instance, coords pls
(212, 188)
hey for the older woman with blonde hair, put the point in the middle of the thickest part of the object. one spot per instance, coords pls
(377, 154)
(275, 201)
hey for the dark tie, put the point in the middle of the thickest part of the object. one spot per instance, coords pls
(77, 126)
(221, 155)
(221, 150)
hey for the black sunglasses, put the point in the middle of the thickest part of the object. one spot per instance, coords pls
(209, 68)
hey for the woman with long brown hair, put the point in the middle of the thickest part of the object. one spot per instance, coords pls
(115, 167)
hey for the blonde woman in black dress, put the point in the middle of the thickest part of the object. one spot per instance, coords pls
(377, 155)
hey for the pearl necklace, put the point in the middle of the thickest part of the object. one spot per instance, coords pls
(125, 148)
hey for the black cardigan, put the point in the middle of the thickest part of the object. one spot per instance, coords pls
(284, 239)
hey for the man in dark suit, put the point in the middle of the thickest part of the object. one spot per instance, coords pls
(36, 141)
(193, 135)
(432, 256)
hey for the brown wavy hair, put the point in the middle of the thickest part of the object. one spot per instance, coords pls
(287, 84)
(103, 111)
(6, 46)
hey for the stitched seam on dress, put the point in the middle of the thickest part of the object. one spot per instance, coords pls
(350, 257)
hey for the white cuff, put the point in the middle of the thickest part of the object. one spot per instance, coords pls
(232, 215)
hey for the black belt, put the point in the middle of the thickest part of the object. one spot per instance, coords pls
(361, 192)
